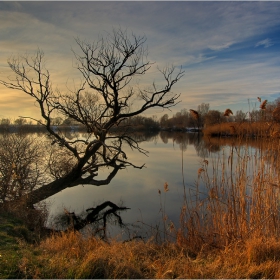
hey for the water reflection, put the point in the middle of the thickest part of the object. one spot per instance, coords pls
(173, 158)
(139, 189)
(202, 148)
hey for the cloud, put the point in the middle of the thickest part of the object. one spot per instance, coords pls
(198, 59)
(266, 43)
(179, 33)
(221, 47)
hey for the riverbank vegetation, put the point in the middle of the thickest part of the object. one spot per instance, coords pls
(70, 255)
(244, 129)
(228, 229)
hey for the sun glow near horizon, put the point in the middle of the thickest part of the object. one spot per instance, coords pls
(227, 61)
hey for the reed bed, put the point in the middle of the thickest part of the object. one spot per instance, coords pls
(236, 199)
(244, 129)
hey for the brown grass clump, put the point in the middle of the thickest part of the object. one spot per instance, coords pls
(72, 256)
(231, 220)
(232, 130)
(260, 250)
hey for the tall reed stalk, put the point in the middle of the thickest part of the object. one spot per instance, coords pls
(236, 198)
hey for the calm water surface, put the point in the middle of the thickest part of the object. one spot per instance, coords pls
(168, 155)
(172, 158)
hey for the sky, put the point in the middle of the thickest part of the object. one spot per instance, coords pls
(229, 50)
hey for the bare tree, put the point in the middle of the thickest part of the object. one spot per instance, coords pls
(108, 68)
(203, 110)
(240, 116)
(163, 120)
(213, 117)
(20, 121)
(21, 157)
(5, 122)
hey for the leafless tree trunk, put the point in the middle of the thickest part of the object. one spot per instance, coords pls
(108, 68)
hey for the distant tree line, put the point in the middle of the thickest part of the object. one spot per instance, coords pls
(25, 121)
(203, 116)
(27, 125)
(266, 111)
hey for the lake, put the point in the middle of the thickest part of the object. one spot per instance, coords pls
(173, 161)
(173, 158)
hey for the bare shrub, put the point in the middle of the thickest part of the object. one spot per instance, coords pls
(20, 158)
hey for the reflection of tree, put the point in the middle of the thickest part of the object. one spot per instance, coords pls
(199, 145)
(183, 139)
(142, 136)
(195, 138)
(164, 136)
(179, 138)
(97, 217)
(205, 148)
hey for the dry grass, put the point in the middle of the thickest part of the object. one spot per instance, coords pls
(227, 113)
(236, 199)
(194, 114)
(244, 129)
(71, 256)
(263, 105)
